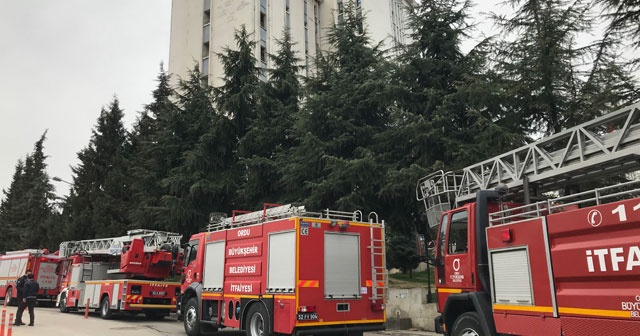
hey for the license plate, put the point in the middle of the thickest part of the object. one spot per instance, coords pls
(159, 293)
(307, 316)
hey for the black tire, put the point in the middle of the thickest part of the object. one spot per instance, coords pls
(192, 325)
(8, 299)
(258, 321)
(467, 324)
(105, 309)
(63, 303)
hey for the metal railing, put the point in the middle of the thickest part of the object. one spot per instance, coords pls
(596, 196)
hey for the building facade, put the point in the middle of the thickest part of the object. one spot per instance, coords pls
(202, 28)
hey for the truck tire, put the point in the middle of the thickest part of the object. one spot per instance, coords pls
(467, 324)
(8, 297)
(258, 321)
(105, 309)
(63, 303)
(192, 317)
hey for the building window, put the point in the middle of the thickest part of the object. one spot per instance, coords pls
(263, 20)
(206, 33)
(205, 66)
(205, 50)
(263, 54)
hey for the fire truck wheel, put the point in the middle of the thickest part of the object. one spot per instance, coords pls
(63, 303)
(258, 321)
(8, 297)
(467, 324)
(192, 318)
(105, 309)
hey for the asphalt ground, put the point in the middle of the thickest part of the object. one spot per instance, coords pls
(51, 322)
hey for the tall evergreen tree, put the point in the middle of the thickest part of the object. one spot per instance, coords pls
(203, 181)
(12, 208)
(269, 135)
(97, 204)
(236, 97)
(346, 107)
(153, 155)
(445, 109)
(28, 203)
(542, 66)
(623, 16)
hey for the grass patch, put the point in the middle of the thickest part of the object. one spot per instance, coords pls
(417, 279)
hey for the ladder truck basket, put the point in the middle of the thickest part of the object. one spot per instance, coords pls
(438, 191)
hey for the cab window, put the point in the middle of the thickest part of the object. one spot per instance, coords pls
(444, 225)
(458, 233)
(192, 252)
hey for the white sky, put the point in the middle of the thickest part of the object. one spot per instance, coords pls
(61, 61)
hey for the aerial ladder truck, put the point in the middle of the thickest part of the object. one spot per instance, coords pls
(524, 249)
(121, 274)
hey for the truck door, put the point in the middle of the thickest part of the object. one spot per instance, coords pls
(457, 266)
(191, 269)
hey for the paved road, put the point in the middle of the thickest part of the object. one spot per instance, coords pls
(50, 322)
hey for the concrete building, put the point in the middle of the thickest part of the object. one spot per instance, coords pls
(202, 28)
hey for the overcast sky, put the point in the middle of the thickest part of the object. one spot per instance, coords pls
(61, 61)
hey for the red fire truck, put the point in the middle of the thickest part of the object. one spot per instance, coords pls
(524, 253)
(43, 265)
(124, 273)
(287, 271)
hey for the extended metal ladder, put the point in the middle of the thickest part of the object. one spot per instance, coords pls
(379, 273)
(603, 146)
(153, 240)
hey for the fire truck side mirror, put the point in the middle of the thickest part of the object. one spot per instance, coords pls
(422, 247)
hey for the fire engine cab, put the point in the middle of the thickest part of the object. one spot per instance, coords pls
(525, 251)
(288, 271)
(43, 265)
(124, 273)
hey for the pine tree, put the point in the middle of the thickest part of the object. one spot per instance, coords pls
(269, 135)
(445, 106)
(236, 97)
(97, 204)
(27, 206)
(623, 16)
(541, 65)
(346, 107)
(203, 180)
(10, 209)
(153, 155)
